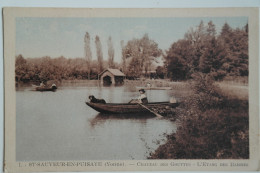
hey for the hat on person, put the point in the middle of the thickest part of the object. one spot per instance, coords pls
(142, 90)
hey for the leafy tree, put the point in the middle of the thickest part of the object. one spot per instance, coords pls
(178, 60)
(211, 29)
(134, 70)
(226, 33)
(88, 53)
(21, 68)
(160, 72)
(213, 58)
(99, 54)
(111, 53)
(202, 50)
(236, 43)
(246, 28)
(142, 52)
(123, 56)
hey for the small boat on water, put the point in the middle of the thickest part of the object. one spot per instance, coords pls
(45, 88)
(127, 108)
(154, 88)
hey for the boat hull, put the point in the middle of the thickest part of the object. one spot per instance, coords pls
(131, 108)
(45, 89)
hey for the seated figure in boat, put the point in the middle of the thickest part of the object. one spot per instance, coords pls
(142, 99)
(93, 99)
(42, 84)
(148, 85)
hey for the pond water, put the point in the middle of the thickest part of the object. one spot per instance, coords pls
(60, 126)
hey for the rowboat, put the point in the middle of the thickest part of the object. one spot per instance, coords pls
(154, 88)
(43, 88)
(128, 108)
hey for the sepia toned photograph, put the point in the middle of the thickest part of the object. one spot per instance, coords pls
(114, 89)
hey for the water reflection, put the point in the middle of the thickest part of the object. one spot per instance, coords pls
(100, 118)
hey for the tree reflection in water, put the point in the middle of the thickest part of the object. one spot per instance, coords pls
(100, 118)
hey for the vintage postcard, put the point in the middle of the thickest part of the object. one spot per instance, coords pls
(131, 89)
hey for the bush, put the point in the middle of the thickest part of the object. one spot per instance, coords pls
(212, 126)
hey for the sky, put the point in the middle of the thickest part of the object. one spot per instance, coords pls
(55, 37)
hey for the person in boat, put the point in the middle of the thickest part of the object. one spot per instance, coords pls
(42, 84)
(142, 99)
(148, 85)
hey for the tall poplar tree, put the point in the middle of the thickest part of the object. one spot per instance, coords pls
(99, 54)
(123, 56)
(88, 54)
(111, 53)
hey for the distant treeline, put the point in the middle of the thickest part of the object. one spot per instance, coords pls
(46, 68)
(202, 50)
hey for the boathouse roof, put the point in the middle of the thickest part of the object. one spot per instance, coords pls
(115, 72)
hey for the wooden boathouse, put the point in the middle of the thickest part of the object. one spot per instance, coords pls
(111, 76)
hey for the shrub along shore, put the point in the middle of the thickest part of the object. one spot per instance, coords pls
(212, 125)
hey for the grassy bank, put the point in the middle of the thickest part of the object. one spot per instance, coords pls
(213, 124)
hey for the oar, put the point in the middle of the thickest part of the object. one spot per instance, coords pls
(158, 115)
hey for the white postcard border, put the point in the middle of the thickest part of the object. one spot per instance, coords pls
(10, 164)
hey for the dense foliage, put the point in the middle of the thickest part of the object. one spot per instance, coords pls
(140, 54)
(202, 50)
(212, 125)
(46, 68)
